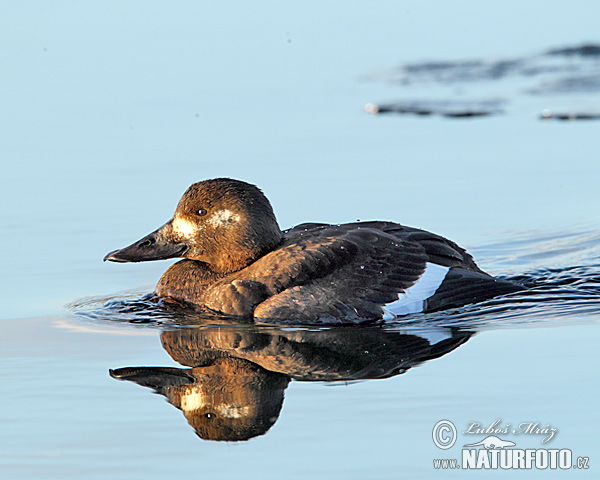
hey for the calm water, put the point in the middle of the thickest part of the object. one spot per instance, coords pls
(110, 111)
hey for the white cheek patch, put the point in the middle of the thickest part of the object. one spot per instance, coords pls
(413, 299)
(184, 228)
(193, 399)
(223, 217)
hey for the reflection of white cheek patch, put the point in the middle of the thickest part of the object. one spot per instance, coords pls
(223, 217)
(183, 227)
(232, 411)
(193, 400)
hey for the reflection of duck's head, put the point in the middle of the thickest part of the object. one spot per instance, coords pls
(224, 223)
(231, 399)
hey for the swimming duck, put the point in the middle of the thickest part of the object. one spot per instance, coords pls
(237, 261)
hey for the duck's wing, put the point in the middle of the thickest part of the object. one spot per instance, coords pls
(438, 249)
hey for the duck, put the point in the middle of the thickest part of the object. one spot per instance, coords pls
(236, 261)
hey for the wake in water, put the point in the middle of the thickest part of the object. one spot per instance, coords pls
(556, 294)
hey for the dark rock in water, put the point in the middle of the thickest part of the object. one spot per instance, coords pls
(459, 71)
(586, 50)
(548, 115)
(475, 70)
(567, 85)
(466, 114)
(444, 108)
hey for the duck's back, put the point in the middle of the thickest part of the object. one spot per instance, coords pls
(438, 249)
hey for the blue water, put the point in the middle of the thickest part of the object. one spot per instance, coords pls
(110, 110)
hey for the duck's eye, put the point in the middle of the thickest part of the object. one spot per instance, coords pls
(201, 212)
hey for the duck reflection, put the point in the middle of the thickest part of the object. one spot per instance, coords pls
(234, 387)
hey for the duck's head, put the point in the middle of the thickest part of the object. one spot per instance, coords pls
(225, 223)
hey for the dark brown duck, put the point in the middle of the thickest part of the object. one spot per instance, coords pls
(238, 262)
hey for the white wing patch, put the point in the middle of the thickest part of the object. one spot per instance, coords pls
(223, 217)
(412, 300)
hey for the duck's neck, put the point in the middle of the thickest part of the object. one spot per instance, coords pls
(235, 259)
